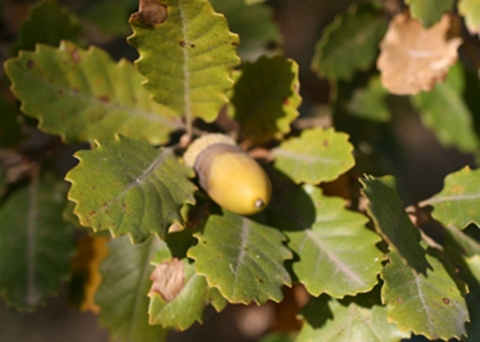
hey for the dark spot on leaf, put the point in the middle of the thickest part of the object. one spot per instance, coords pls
(30, 64)
(92, 213)
(182, 43)
(400, 300)
(76, 91)
(192, 45)
(326, 143)
(60, 92)
(150, 13)
(104, 99)
(234, 43)
(260, 280)
(446, 301)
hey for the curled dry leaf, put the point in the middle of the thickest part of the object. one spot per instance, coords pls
(168, 279)
(413, 58)
(150, 12)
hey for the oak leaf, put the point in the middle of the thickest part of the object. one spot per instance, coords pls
(413, 58)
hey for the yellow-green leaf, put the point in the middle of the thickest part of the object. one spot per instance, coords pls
(318, 155)
(83, 95)
(187, 54)
(129, 187)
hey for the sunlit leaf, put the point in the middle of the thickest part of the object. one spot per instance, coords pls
(253, 22)
(371, 102)
(326, 236)
(445, 112)
(188, 303)
(331, 320)
(392, 222)
(318, 155)
(413, 58)
(266, 98)
(459, 199)
(84, 95)
(349, 43)
(278, 337)
(187, 54)
(429, 12)
(470, 9)
(429, 304)
(242, 258)
(122, 296)
(35, 244)
(47, 23)
(130, 187)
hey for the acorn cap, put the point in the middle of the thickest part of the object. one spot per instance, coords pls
(200, 144)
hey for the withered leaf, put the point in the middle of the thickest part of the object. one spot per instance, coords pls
(168, 279)
(150, 12)
(413, 58)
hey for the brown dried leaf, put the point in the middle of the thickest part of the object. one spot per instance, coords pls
(413, 58)
(150, 12)
(168, 279)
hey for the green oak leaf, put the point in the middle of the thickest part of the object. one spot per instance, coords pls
(242, 258)
(462, 248)
(446, 113)
(350, 43)
(325, 237)
(278, 337)
(253, 23)
(429, 304)
(470, 9)
(392, 222)
(47, 23)
(429, 12)
(122, 295)
(188, 305)
(318, 155)
(35, 244)
(371, 102)
(83, 95)
(187, 54)
(332, 320)
(266, 98)
(130, 187)
(457, 203)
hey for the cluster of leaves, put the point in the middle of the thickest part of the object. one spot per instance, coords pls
(172, 251)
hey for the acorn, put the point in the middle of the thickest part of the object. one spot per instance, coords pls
(229, 176)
